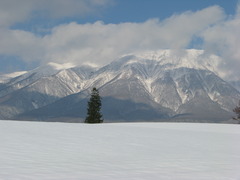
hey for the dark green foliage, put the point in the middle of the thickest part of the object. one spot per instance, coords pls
(237, 111)
(94, 107)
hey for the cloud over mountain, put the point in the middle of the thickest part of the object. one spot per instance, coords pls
(100, 43)
(103, 42)
(224, 39)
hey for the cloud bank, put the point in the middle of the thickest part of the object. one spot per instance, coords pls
(223, 39)
(100, 43)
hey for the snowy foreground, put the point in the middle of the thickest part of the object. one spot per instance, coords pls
(140, 151)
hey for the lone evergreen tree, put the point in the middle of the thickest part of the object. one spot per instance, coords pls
(94, 106)
(237, 111)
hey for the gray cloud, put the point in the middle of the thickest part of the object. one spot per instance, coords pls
(15, 11)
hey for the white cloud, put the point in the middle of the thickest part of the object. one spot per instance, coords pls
(224, 40)
(20, 43)
(100, 43)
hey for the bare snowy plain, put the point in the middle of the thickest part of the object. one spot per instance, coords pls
(120, 151)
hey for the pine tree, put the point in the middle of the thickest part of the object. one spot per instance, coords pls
(237, 111)
(94, 106)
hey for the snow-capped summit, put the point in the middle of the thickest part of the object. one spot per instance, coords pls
(50, 69)
(5, 77)
(172, 59)
(60, 66)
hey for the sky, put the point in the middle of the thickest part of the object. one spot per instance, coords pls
(96, 32)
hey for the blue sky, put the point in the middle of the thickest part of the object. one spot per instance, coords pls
(142, 10)
(119, 11)
(36, 32)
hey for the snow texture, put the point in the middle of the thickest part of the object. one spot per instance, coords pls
(140, 151)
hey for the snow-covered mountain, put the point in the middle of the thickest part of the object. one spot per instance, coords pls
(39, 87)
(141, 86)
(236, 84)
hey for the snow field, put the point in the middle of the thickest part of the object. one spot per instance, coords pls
(132, 151)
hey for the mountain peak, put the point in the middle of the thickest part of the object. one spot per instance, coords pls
(60, 66)
(173, 59)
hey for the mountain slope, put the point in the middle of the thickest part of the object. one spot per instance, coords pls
(236, 84)
(37, 89)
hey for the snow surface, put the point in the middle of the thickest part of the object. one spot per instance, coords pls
(140, 151)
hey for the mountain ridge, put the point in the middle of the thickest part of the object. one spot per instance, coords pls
(151, 83)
